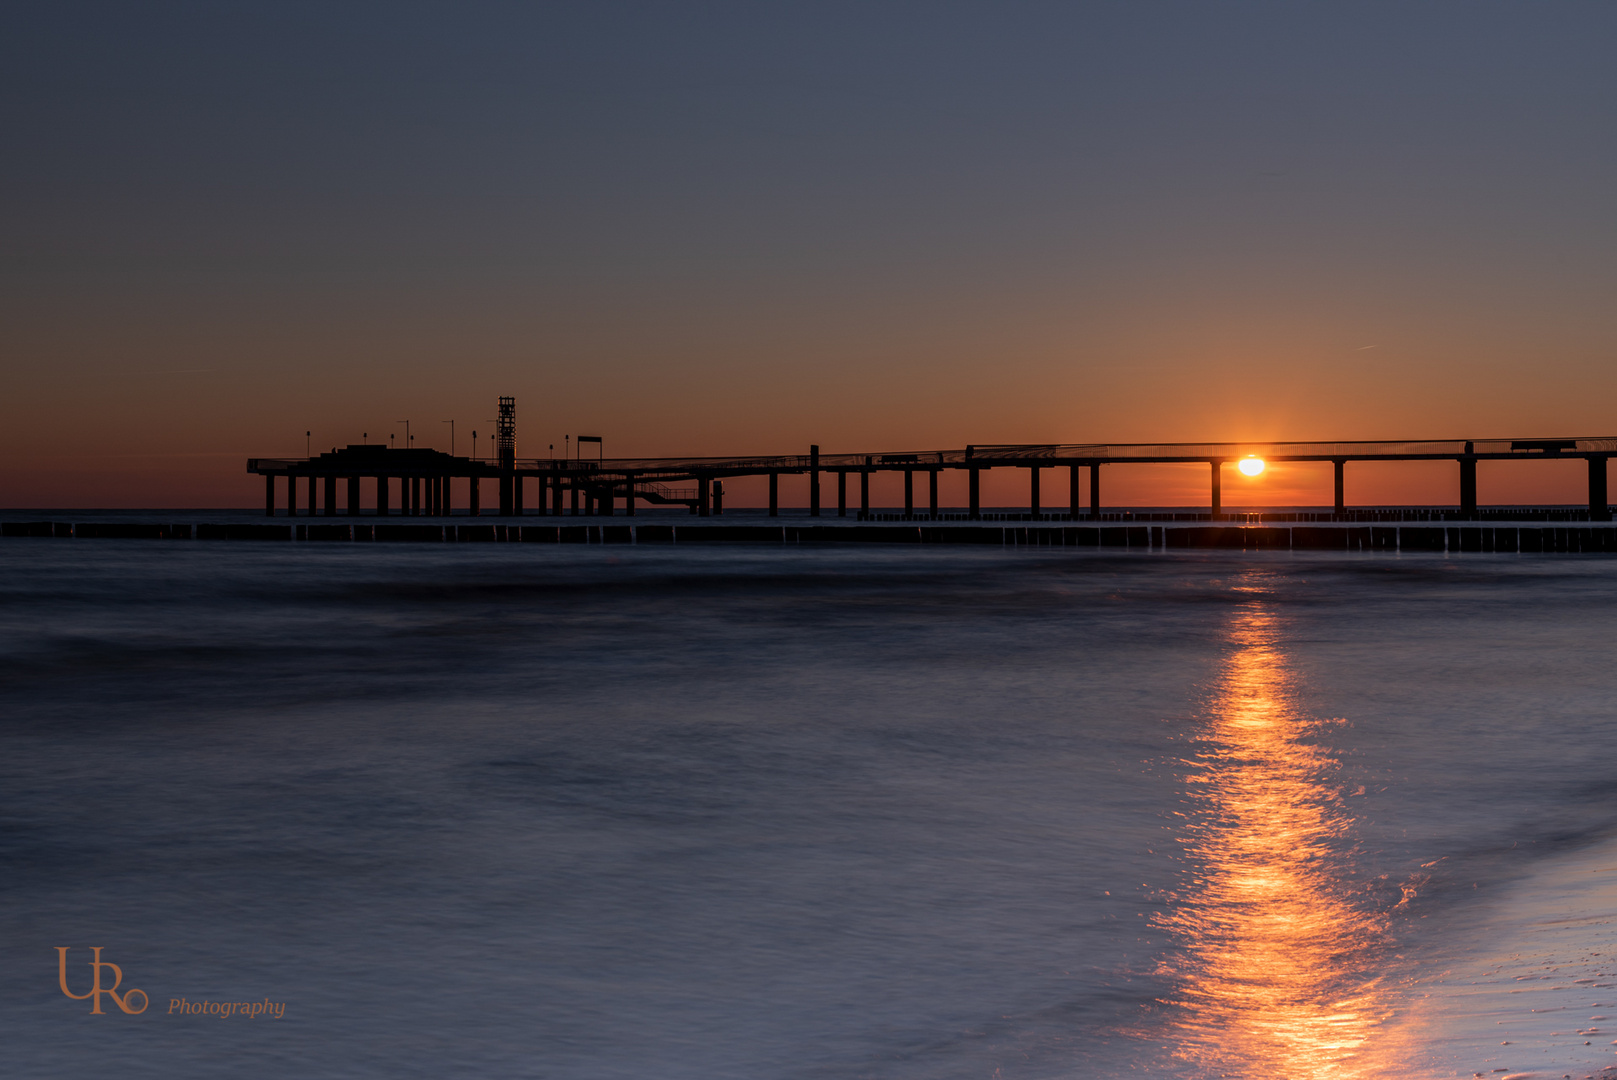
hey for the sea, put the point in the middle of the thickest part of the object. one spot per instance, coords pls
(712, 811)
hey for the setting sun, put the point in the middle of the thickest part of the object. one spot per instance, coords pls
(1251, 466)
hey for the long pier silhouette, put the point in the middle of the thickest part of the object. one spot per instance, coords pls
(429, 483)
(426, 480)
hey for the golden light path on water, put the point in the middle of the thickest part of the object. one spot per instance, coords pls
(1280, 954)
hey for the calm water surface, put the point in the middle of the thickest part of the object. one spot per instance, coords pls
(797, 813)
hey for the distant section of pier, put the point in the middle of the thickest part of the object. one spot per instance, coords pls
(1142, 534)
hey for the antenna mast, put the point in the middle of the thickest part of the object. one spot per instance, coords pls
(505, 436)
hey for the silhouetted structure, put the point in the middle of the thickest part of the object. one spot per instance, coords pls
(425, 477)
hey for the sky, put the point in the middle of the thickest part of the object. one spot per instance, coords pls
(744, 228)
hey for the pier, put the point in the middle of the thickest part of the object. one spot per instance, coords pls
(414, 482)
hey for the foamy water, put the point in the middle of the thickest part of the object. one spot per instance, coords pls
(737, 812)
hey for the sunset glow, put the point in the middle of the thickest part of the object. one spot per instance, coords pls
(1251, 466)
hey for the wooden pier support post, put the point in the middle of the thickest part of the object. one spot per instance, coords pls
(864, 492)
(628, 494)
(609, 498)
(331, 496)
(972, 510)
(269, 494)
(447, 488)
(774, 494)
(312, 503)
(814, 481)
(842, 493)
(1599, 501)
(704, 496)
(415, 496)
(291, 495)
(909, 494)
(474, 497)
(1075, 505)
(1341, 503)
(1218, 487)
(353, 496)
(382, 484)
(1468, 485)
(1094, 490)
(1033, 490)
(718, 498)
(516, 494)
(933, 475)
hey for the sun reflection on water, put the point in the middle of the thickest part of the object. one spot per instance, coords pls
(1280, 951)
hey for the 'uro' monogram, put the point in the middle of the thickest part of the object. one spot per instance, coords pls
(126, 1002)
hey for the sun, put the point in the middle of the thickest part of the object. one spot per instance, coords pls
(1251, 466)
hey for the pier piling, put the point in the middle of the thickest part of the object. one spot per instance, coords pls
(814, 481)
(1468, 485)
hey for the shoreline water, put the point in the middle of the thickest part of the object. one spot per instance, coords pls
(1528, 986)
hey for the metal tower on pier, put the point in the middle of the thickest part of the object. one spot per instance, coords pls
(505, 449)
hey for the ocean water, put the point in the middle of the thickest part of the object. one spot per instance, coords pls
(713, 812)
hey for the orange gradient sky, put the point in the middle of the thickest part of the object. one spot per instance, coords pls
(717, 229)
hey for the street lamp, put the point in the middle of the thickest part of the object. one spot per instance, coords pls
(408, 438)
(451, 424)
(306, 451)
